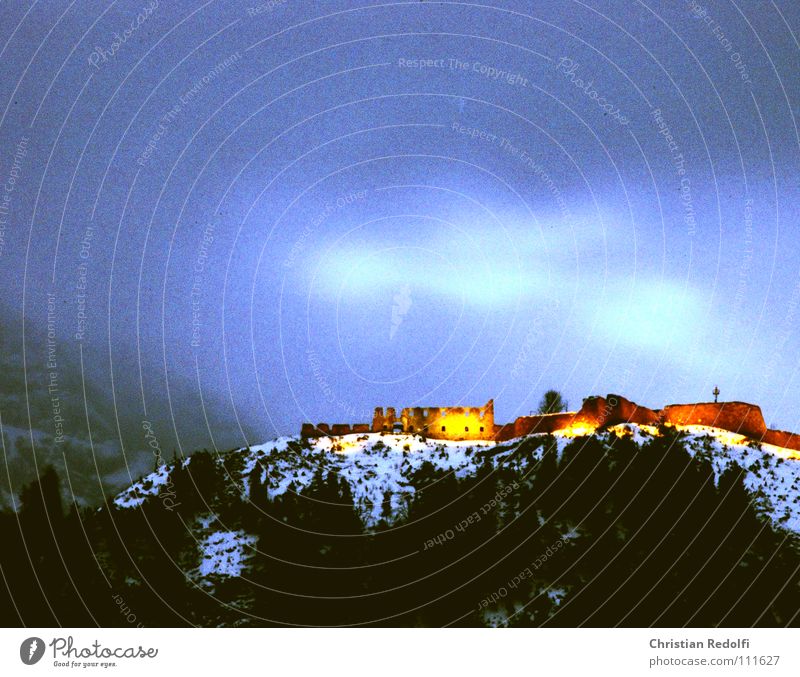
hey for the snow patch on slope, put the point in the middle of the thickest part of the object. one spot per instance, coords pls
(772, 474)
(225, 553)
(380, 469)
(150, 485)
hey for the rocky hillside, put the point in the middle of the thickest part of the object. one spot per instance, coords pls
(381, 474)
(632, 525)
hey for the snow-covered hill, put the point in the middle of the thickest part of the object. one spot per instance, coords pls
(379, 469)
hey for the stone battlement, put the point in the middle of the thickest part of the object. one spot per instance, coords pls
(334, 430)
(445, 423)
(477, 423)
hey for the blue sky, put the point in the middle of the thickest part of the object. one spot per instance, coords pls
(299, 211)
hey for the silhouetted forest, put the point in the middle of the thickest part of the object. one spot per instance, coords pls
(608, 534)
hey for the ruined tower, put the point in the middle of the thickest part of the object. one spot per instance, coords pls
(446, 423)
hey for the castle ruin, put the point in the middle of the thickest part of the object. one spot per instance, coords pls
(444, 423)
(596, 413)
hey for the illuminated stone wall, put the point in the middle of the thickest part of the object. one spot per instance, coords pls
(596, 412)
(615, 409)
(738, 417)
(444, 423)
(540, 423)
(335, 429)
(781, 438)
(477, 423)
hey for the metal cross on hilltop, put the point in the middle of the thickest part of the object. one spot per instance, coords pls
(715, 393)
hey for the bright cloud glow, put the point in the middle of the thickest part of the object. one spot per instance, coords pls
(468, 279)
(651, 314)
